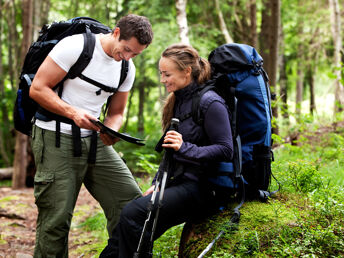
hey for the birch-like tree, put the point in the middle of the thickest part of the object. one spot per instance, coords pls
(337, 40)
(222, 22)
(182, 21)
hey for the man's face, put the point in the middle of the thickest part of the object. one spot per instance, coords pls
(125, 49)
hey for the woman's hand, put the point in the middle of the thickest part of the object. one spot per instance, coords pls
(149, 191)
(173, 140)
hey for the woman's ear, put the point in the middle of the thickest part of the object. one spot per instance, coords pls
(188, 71)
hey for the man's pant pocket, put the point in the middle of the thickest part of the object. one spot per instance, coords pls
(44, 189)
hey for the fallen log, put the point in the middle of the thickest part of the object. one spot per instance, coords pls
(6, 173)
(3, 213)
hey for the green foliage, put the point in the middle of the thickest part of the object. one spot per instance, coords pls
(93, 243)
(94, 223)
(6, 183)
(171, 236)
(304, 176)
(145, 163)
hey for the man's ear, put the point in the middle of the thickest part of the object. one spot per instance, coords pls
(116, 32)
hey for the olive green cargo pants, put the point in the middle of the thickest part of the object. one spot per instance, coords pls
(58, 181)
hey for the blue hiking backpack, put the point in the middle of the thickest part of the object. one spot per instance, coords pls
(238, 76)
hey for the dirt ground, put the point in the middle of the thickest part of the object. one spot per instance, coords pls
(18, 222)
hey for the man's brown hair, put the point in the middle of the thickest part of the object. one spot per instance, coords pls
(135, 26)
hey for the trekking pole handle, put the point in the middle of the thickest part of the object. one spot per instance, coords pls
(174, 124)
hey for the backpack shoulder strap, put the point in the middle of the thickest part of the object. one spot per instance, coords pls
(124, 72)
(85, 56)
(82, 61)
(196, 111)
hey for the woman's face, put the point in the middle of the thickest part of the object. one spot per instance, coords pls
(172, 77)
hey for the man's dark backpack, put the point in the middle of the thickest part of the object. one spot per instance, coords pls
(25, 108)
(238, 76)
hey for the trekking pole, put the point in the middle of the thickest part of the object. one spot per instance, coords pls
(174, 126)
(234, 220)
(150, 209)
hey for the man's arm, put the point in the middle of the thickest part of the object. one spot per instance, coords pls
(48, 76)
(114, 117)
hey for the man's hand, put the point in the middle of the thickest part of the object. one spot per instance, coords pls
(114, 116)
(82, 119)
(108, 140)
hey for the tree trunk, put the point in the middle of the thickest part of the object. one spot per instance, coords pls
(4, 127)
(269, 43)
(336, 34)
(283, 87)
(40, 16)
(20, 161)
(299, 87)
(130, 101)
(182, 21)
(222, 22)
(310, 78)
(300, 74)
(274, 46)
(140, 124)
(27, 6)
(12, 39)
(37, 15)
(253, 24)
(5, 157)
(45, 11)
(264, 35)
(21, 146)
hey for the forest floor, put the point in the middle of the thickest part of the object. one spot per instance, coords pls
(18, 214)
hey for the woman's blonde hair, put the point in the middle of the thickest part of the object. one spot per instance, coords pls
(184, 56)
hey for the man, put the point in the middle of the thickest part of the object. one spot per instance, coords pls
(60, 174)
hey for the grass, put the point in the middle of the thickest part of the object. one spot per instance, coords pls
(306, 217)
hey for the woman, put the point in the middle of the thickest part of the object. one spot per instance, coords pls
(195, 148)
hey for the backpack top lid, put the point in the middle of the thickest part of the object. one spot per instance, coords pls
(231, 58)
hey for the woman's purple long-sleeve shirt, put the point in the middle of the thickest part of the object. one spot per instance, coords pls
(214, 142)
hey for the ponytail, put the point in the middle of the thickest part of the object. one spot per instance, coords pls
(205, 71)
